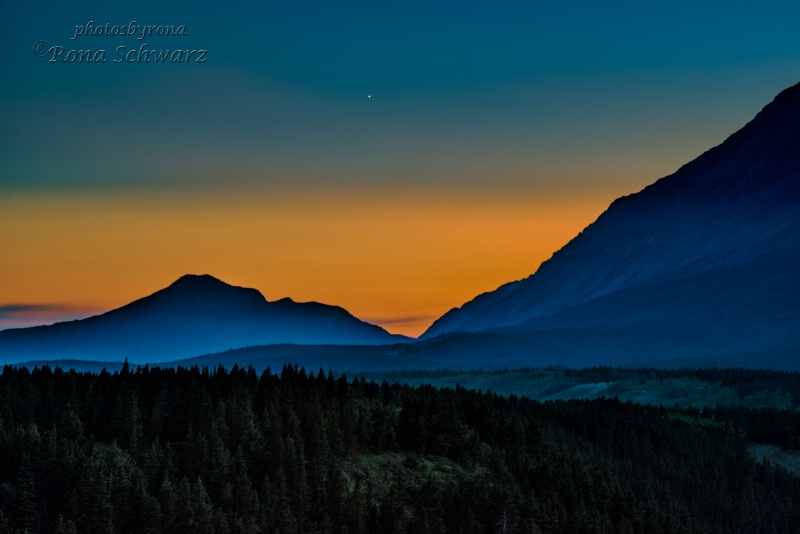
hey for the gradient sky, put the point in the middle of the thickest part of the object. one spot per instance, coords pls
(494, 133)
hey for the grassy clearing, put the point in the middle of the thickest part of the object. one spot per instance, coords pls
(641, 386)
(788, 459)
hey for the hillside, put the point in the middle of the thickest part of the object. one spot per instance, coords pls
(709, 251)
(195, 315)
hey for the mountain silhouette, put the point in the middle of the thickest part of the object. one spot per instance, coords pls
(705, 260)
(195, 315)
(699, 268)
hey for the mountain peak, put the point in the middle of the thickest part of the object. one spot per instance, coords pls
(196, 314)
(198, 280)
(191, 293)
(762, 158)
(206, 284)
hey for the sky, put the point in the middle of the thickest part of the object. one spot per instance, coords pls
(393, 159)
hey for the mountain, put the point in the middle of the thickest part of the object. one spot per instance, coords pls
(195, 315)
(698, 269)
(703, 262)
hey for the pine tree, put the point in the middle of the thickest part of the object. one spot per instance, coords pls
(5, 527)
(63, 527)
(25, 515)
(202, 511)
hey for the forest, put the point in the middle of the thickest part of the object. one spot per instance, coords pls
(177, 450)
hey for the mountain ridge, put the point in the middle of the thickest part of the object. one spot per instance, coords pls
(734, 203)
(194, 315)
(697, 267)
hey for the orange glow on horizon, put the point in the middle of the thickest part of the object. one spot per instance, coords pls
(389, 257)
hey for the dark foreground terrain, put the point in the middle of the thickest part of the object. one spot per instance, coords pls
(192, 450)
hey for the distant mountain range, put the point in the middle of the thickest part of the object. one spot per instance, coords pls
(698, 269)
(701, 264)
(195, 315)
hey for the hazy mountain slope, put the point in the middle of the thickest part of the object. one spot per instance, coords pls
(734, 210)
(195, 315)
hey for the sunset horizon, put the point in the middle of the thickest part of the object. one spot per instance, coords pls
(379, 279)
(395, 164)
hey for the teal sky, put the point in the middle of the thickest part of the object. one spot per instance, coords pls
(463, 93)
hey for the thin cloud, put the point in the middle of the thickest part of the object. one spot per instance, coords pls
(16, 315)
(410, 319)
